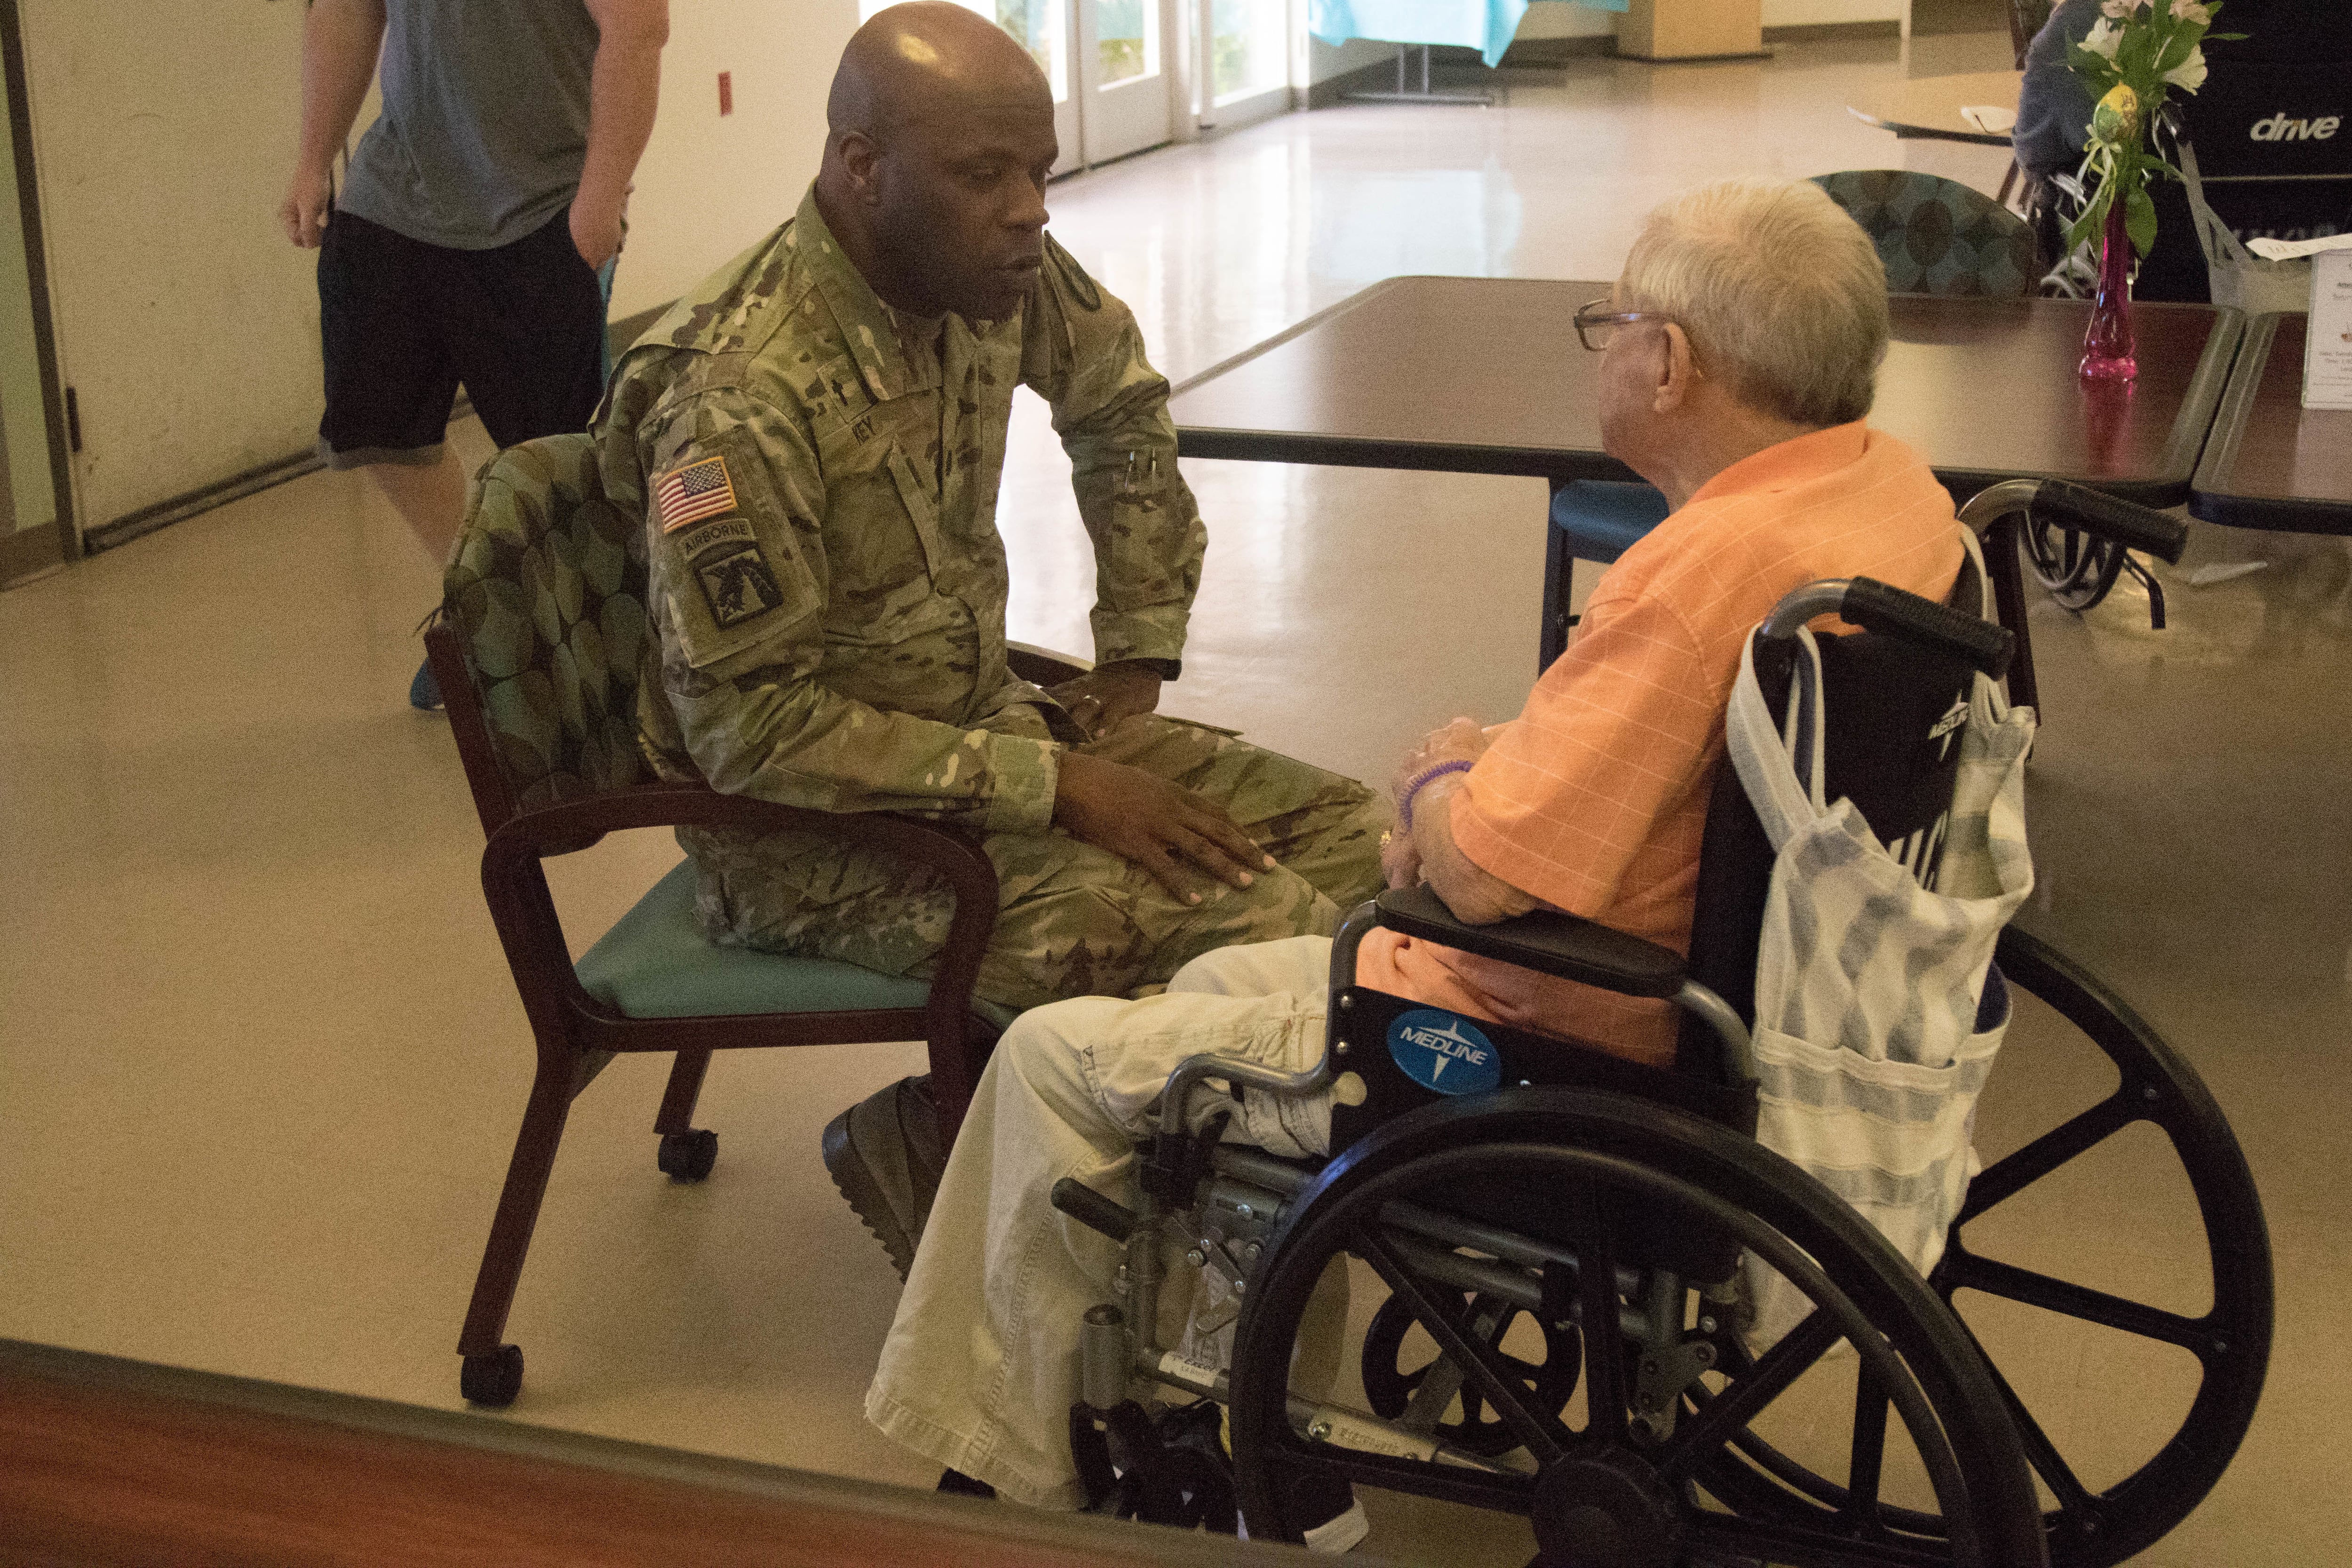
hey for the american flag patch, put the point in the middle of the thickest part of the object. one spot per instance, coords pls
(693, 492)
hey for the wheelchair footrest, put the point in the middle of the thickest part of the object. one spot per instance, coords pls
(1170, 1470)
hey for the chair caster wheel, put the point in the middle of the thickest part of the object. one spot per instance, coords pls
(688, 1156)
(494, 1379)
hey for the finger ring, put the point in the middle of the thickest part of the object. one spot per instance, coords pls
(1386, 837)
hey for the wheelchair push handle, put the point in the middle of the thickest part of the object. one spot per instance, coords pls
(2127, 523)
(1875, 606)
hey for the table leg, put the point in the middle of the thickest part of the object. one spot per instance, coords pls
(1560, 585)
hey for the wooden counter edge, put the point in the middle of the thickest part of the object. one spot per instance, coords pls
(104, 1461)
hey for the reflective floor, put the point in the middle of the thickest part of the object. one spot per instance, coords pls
(260, 1060)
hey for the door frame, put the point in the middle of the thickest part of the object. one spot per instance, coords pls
(1165, 20)
(37, 271)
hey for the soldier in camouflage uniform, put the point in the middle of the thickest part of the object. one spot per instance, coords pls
(814, 437)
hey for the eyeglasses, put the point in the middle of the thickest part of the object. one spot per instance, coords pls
(1597, 320)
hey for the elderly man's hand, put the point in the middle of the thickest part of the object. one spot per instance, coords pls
(1400, 859)
(1104, 696)
(1462, 740)
(1168, 830)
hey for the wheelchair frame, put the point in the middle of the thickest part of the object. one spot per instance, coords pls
(1234, 1206)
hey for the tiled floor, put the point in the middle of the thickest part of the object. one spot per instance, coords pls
(262, 1061)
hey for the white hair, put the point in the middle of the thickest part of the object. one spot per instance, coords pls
(1782, 293)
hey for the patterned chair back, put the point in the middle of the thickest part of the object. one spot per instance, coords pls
(1937, 236)
(546, 594)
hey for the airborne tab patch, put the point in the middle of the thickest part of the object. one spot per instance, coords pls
(695, 491)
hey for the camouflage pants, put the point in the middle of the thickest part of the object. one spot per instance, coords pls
(1072, 919)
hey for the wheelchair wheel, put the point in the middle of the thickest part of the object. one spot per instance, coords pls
(1391, 1388)
(2231, 1341)
(1629, 1484)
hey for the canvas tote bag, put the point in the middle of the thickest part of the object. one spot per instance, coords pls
(2240, 279)
(1879, 1011)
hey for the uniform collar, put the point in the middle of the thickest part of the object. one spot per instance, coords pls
(892, 350)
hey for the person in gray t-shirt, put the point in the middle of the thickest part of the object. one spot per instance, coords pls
(473, 238)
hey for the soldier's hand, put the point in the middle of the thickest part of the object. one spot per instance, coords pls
(1165, 829)
(303, 213)
(1101, 698)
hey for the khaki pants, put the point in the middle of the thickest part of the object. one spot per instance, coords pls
(1072, 919)
(982, 1364)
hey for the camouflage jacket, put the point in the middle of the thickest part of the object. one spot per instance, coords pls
(818, 476)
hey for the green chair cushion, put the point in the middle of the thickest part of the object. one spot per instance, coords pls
(655, 963)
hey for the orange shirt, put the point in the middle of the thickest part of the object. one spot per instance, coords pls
(1594, 799)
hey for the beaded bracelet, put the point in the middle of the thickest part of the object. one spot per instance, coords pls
(1426, 776)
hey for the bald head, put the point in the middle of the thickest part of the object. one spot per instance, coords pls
(930, 61)
(941, 135)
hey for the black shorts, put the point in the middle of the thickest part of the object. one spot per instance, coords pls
(401, 323)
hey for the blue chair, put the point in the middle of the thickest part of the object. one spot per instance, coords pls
(1592, 520)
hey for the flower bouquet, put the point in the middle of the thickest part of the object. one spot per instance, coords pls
(2135, 56)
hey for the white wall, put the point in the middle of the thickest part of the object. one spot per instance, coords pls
(1810, 13)
(165, 132)
(1556, 19)
(709, 187)
(23, 432)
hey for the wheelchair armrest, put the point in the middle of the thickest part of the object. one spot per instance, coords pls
(1043, 665)
(1563, 945)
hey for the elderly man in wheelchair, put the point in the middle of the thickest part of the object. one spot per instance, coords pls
(1521, 1090)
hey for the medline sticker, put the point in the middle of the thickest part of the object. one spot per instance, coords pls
(1444, 1051)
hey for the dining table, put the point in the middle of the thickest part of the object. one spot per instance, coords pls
(1485, 376)
(2270, 462)
(1928, 108)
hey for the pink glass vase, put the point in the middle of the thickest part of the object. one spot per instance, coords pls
(2107, 347)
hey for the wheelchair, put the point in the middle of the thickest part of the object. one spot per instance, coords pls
(1569, 1333)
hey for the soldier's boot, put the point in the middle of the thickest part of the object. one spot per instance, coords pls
(884, 1156)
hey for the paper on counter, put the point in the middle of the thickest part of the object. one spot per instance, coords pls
(2328, 346)
(1989, 118)
(2291, 249)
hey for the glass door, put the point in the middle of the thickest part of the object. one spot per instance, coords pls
(1128, 106)
(1249, 50)
(1044, 28)
(1108, 63)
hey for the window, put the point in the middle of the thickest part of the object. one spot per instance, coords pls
(1042, 27)
(1248, 47)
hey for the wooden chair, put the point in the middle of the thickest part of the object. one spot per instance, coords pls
(541, 646)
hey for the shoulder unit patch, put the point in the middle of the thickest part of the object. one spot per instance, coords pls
(737, 584)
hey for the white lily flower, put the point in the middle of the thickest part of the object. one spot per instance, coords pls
(2190, 74)
(2192, 11)
(2118, 10)
(2103, 36)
